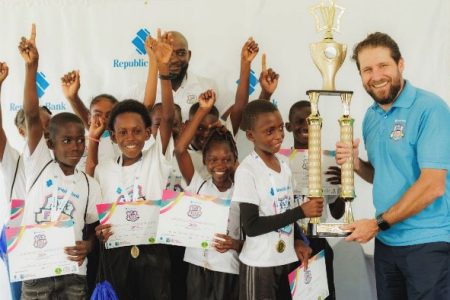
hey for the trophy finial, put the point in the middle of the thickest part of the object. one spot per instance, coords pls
(327, 16)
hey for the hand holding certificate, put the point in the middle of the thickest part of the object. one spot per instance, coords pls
(37, 251)
(132, 223)
(191, 220)
(311, 283)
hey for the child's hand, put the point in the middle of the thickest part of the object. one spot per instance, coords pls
(28, 48)
(313, 207)
(149, 48)
(70, 84)
(103, 232)
(303, 252)
(335, 173)
(249, 50)
(162, 47)
(223, 243)
(78, 252)
(4, 70)
(268, 79)
(97, 127)
(207, 99)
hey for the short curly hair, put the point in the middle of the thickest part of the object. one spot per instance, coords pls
(129, 106)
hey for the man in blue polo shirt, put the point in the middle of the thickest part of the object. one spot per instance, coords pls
(407, 137)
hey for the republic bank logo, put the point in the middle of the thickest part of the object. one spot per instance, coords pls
(41, 84)
(137, 43)
(253, 82)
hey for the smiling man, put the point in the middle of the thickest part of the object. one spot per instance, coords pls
(407, 137)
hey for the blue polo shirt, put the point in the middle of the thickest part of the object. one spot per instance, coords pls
(413, 134)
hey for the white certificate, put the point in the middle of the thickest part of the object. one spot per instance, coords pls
(133, 223)
(37, 251)
(191, 220)
(298, 162)
(312, 283)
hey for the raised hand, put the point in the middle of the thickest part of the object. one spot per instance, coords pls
(268, 78)
(97, 127)
(313, 207)
(27, 48)
(162, 47)
(207, 99)
(249, 50)
(148, 47)
(4, 70)
(70, 84)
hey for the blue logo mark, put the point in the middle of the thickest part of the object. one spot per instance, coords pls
(41, 84)
(139, 40)
(253, 81)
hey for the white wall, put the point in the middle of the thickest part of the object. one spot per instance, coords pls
(90, 35)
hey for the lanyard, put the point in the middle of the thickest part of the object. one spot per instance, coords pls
(55, 208)
(121, 191)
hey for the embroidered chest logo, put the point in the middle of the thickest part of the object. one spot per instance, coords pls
(191, 99)
(40, 240)
(398, 130)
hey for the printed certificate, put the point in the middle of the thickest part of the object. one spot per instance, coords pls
(37, 251)
(312, 283)
(298, 162)
(133, 223)
(15, 217)
(191, 220)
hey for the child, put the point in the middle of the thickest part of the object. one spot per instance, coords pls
(138, 175)
(264, 191)
(76, 192)
(99, 110)
(298, 125)
(212, 274)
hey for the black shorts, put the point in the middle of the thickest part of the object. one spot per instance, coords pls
(146, 277)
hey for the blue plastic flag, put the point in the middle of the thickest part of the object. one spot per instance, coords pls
(104, 291)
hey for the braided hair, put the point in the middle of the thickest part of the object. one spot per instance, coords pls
(220, 135)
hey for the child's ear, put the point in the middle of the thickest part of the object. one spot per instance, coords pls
(148, 133)
(50, 144)
(112, 134)
(288, 126)
(249, 134)
(22, 132)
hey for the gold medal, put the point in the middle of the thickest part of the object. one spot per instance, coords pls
(134, 251)
(281, 245)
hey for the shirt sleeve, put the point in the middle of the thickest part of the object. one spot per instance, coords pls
(95, 197)
(36, 162)
(8, 166)
(245, 187)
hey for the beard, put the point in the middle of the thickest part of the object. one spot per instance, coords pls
(390, 97)
(178, 78)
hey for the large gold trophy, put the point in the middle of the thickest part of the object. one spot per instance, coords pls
(328, 56)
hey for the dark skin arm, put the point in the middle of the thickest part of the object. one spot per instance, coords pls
(4, 70)
(70, 84)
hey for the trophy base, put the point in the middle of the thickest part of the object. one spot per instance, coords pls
(324, 230)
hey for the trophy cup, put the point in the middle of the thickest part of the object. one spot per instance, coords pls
(328, 56)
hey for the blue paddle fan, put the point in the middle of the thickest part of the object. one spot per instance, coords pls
(104, 291)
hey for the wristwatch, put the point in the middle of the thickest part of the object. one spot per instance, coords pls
(382, 224)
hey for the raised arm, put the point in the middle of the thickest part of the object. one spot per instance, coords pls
(3, 74)
(30, 55)
(268, 80)
(248, 53)
(70, 84)
(206, 101)
(96, 129)
(163, 51)
(152, 76)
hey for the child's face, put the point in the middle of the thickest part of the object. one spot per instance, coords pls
(130, 135)
(203, 131)
(101, 109)
(298, 125)
(68, 144)
(156, 122)
(267, 133)
(220, 162)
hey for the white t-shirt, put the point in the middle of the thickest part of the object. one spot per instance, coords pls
(106, 150)
(37, 201)
(13, 173)
(189, 90)
(151, 173)
(226, 262)
(175, 181)
(272, 193)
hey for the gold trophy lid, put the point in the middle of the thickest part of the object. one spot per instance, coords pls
(327, 15)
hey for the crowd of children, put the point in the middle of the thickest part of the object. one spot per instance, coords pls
(69, 160)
